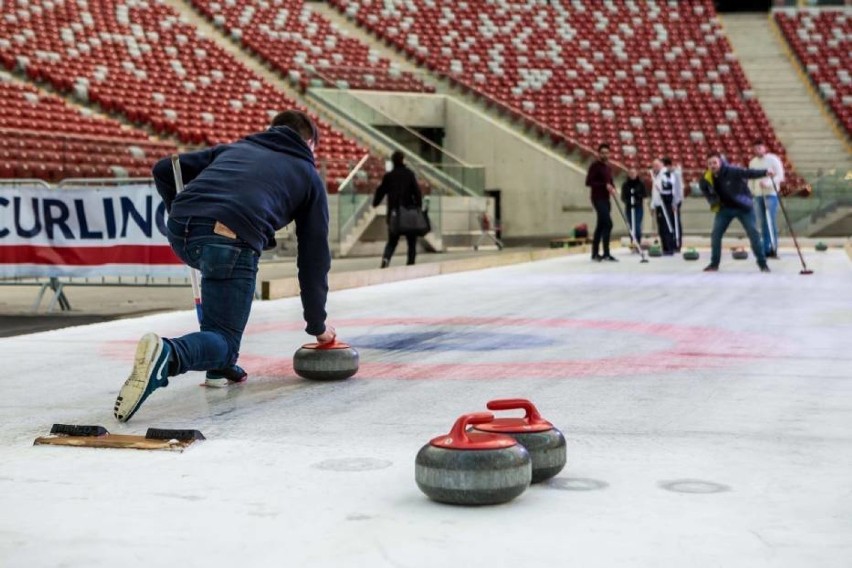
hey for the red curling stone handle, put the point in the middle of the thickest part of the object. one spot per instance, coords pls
(459, 429)
(460, 439)
(333, 344)
(531, 415)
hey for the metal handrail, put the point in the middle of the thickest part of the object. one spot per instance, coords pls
(103, 181)
(352, 93)
(433, 172)
(25, 181)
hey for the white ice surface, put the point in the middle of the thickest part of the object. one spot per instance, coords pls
(708, 420)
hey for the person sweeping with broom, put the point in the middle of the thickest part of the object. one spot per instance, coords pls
(725, 188)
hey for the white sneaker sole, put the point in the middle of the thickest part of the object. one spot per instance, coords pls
(221, 383)
(148, 352)
(216, 383)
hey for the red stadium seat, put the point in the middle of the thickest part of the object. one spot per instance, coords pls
(821, 40)
(142, 61)
(545, 62)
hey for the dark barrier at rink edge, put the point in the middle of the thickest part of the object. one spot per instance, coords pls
(34, 222)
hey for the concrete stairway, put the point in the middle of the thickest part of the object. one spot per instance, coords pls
(809, 133)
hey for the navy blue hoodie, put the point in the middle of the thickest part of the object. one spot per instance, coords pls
(256, 186)
(729, 186)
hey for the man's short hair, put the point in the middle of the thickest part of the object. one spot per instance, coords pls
(397, 158)
(714, 155)
(667, 161)
(298, 121)
(603, 146)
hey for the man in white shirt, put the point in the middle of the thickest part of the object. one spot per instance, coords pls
(666, 197)
(765, 198)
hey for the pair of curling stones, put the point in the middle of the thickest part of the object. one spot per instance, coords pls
(492, 462)
(332, 361)
(739, 253)
(821, 247)
(690, 254)
(655, 250)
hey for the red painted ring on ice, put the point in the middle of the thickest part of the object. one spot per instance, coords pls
(690, 347)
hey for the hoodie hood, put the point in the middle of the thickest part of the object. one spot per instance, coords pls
(285, 140)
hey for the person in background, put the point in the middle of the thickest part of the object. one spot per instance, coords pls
(599, 181)
(666, 196)
(765, 198)
(633, 194)
(725, 188)
(400, 187)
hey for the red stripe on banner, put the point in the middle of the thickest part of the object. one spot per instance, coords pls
(88, 256)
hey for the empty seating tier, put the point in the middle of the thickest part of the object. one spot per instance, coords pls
(42, 136)
(140, 59)
(652, 78)
(822, 39)
(306, 46)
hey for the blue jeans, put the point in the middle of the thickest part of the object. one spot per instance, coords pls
(603, 227)
(720, 225)
(770, 234)
(637, 212)
(228, 276)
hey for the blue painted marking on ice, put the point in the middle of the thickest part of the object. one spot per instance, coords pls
(451, 341)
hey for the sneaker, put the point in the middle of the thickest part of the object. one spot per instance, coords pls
(150, 372)
(764, 268)
(223, 377)
(596, 258)
(711, 268)
(609, 258)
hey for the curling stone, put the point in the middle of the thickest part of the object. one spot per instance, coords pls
(655, 250)
(821, 246)
(690, 254)
(739, 253)
(545, 444)
(332, 361)
(472, 468)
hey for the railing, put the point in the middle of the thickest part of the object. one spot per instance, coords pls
(25, 181)
(447, 170)
(807, 205)
(831, 191)
(350, 203)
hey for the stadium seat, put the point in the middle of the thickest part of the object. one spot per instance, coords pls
(603, 65)
(41, 133)
(141, 60)
(821, 40)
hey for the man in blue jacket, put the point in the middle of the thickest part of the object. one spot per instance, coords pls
(725, 187)
(236, 197)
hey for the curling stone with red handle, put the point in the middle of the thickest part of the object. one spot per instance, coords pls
(472, 468)
(545, 444)
(331, 361)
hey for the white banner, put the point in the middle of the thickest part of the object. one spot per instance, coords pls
(107, 231)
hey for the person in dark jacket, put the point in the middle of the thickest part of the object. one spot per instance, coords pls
(725, 188)
(236, 197)
(400, 187)
(599, 181)
(633, 194)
